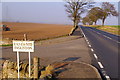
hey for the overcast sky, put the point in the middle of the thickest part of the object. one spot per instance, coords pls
(42, 12)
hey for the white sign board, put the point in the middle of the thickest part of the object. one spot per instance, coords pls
(23, 46)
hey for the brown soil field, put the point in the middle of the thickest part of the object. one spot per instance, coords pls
(35, 31)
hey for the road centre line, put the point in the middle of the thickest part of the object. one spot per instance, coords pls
(107, 37)
(98, 32)
(117, 41)
(100, 64)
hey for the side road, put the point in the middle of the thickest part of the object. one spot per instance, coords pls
(72, 49)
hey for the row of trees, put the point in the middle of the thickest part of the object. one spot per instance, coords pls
(98, 13)
(75, 8)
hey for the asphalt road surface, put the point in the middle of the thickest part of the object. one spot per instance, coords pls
(105, 50)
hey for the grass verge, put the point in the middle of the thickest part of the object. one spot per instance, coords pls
(5, 45)
(113, 29)
(116, 26)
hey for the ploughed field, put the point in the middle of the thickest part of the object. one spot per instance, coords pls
(35, 31)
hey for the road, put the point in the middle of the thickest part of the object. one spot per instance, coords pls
(105, 50)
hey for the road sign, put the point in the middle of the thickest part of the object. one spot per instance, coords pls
(23, 46)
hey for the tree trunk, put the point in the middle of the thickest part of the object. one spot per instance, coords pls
(74, 28)
(76, 25)
(103, 21)
(95, 22)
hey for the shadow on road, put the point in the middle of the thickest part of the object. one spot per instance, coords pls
(71, 59)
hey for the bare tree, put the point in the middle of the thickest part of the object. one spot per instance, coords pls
(108, 10)
(75, 9)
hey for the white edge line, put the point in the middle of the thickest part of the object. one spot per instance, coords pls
(89, 45)
(92, 50)
(86, 40)
(95, 56)
(100, 64)
(107, 77)
(84, 34)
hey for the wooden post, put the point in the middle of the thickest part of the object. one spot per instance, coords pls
(25, 37)
(36, 64)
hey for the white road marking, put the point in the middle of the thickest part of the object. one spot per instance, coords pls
(117, 41)
(104, 35)
(92, 50)
(86, 40)
(95, 56)
(109, 38)
(89, 45)
(107, 77)
(100, 64)
(83, 32)
(98, 32)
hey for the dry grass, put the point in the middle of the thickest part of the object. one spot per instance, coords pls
(35, 31)
(110, 29)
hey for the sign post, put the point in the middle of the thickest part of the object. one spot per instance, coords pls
(29, 64)
(23, 46)
(18, 60)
